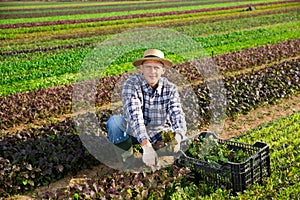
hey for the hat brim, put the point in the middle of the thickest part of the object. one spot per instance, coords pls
(166, 62)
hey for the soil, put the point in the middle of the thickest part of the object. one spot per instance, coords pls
(261, 115)
(232, 128)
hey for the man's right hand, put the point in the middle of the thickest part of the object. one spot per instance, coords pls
(149, 155)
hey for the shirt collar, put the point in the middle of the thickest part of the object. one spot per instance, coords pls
(147, 88)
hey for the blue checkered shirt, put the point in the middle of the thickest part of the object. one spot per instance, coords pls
(148, 111)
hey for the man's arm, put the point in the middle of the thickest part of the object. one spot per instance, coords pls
(177, 115)
(132, 108)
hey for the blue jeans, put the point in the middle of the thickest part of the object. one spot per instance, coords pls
(116, 128)
(118, 132)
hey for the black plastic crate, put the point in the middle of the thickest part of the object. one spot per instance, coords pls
(236, 176)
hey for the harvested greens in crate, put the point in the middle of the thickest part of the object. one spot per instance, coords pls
(226, 163)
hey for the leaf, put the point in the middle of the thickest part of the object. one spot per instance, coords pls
(25, 182)
(76, 196)
(28, 166)
(129, 191)
(60, 168)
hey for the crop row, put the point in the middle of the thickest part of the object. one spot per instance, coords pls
(39, 156)
(118, 16)
(33, 105)
(76, 35)
(71, 34)
(36, 8)
(219, 43)
(44, 7)
(235, 41)
(283, 80)
(34, 12)
(179, 183)
(140, 11)
(38, 162)
(44, 67)
(259, 56)
(243, 93)
(29, 22)
(185, 18)
(246, 59)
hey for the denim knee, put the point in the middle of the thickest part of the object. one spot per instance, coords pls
(116, 127)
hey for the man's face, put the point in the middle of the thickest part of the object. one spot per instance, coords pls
(152, 71)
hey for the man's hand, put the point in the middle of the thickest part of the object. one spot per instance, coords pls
(149, 155)
(178, 138)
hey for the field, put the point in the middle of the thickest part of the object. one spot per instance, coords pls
(47, 48)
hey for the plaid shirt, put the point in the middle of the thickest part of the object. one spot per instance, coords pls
(148, 111)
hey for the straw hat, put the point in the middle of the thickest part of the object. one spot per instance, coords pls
(153, 54)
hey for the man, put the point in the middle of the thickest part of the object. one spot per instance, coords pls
(151, 104)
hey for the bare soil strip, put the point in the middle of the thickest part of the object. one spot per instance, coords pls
(261, 115)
